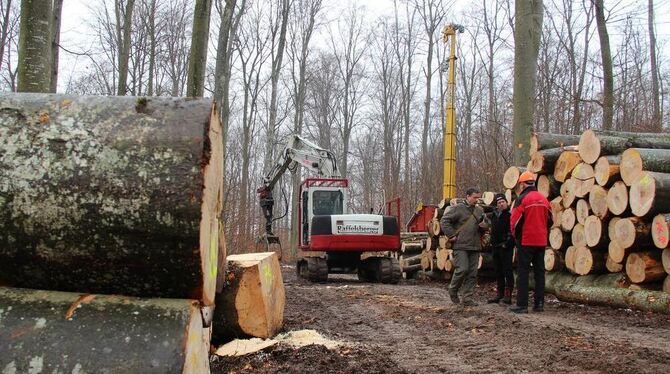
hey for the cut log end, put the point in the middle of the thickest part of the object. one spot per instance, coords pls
(568, 219)
(588, 261)
(565, 164)
(598, 201)
(605, 170)
(578, 235)
(511, 176)
(553, 260)
(615, 252)
(642, 267)
(631, 165)
(665, 259)
(660, 233)
(594, 232)
(568, 192)
(617, 198)
(558, 239)
(582, 211)
(589, 146)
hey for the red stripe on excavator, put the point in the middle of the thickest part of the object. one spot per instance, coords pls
(355, 243)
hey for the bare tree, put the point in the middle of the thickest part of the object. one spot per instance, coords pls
(123, 15)
(198, 57)
(55, 41)
(5, 12)
(606, 59)
(526, 47)
(301, 28)
(35, 46)
(655, 92)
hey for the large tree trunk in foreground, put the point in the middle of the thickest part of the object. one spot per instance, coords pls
(110, 195)
(34, 64)
(602, 290)
(253, 301)
(70, 332)
(636, 160)
(643, 267)
(544, 140)
(650, 194)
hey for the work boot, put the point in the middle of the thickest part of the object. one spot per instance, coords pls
(519, 309)
(454, 297)
(539, 307)
(507, 299)
(496, 299)
(469, 302)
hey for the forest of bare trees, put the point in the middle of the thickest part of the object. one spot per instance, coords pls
(367, 83)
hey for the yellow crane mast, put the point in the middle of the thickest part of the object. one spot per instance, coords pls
(449, 182)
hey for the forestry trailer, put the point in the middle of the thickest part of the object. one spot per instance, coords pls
(329, 239)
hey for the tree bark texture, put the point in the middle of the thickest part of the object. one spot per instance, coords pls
(50, 331)
(543, 140)
(123, 29)
(606, 59)
(636, 160)
(650, 194)
(34, 65)
(55, 43)
(254, 298)
(116, 195)
(527, 31)
(586, 290)
(197, 64)
(655, 91)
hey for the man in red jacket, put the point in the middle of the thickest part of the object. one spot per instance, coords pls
(529, 224)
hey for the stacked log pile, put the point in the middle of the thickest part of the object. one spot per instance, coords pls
(610, 198)
(110, 196)
(430, 251)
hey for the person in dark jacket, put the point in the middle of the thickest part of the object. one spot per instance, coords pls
(464, 224)
(503, 250)
(529, 224)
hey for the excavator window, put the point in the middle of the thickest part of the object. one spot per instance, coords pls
(327, 202)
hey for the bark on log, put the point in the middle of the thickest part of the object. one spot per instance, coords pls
(565, 288)
(553, 260)
(617, 198)
(650, 194)
(548, 186)
(561, 279)
(411, 246)
(111, 195)
(642, 267)
(582, 211)
(660, 231)
(632, 231)
(613, 267)
(568, 219)
(598, 201)
(544, 140)
(544, 161)
(578, 236)
(665, 259)
(568, 192)
(588, 261)
(606, 170)
(70, 332)
(566, 162)
(595, 232)
(252, 303)
(511, 176)
(592, 144)
(558, 239)
(636, 160)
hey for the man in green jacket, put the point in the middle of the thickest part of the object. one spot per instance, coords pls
(464, 224)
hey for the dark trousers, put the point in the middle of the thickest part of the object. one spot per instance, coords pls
(528, 256)
(502, 263)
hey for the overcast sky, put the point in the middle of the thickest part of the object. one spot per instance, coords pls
(74, 29)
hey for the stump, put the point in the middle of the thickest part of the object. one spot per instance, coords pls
(650, 194)
(643, 267)
(659, 230)
(71, 332)
(252, 303)
(111, 195)
(617, 198)
(606, 170)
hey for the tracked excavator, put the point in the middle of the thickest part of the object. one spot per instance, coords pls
(330, 239)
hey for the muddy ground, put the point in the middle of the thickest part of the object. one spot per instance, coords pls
(413, 328)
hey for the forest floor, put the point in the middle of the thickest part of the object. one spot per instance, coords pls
(412, 327)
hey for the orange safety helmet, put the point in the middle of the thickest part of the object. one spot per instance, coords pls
(526, 176)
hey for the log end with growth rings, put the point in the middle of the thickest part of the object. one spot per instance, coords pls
(589, 146)
(631, 165)
(660, 233)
